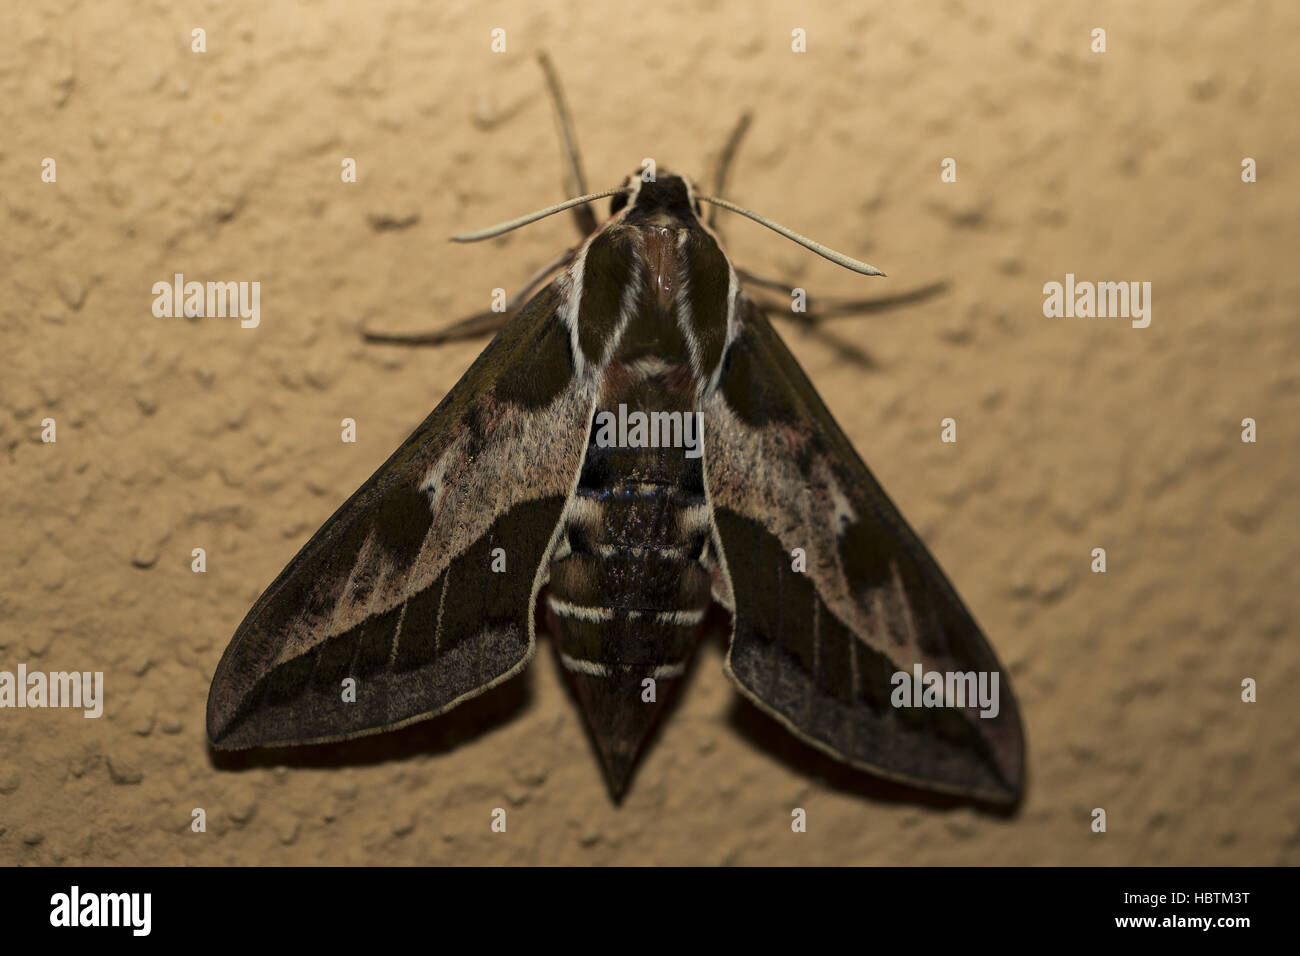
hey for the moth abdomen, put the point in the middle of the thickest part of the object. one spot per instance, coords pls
(628, 590)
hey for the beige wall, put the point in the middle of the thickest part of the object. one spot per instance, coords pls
(1073, 433)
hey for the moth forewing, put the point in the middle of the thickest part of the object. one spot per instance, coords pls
(395, 592)
(822, 649)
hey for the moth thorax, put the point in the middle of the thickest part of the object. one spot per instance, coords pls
(661, 243)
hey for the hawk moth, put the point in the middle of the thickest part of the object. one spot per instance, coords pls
(512, 507)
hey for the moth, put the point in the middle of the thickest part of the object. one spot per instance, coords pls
(635, 445)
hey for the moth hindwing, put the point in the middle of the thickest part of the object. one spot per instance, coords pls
(635, 445)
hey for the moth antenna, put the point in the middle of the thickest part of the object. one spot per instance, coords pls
(502, 228)
(839, 258)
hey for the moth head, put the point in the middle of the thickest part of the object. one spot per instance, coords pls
(657, 198)
(665, 201)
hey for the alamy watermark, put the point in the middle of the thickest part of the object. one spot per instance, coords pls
(946, 689)
(82, 690)
(639, 429)
(215, 300)
(1101, 300)
(75, 908)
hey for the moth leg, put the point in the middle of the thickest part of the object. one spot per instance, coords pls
(849, 350)
(723, 165)
(575, 180)
(811, 321)
(478, 324)
(470, 327)
(820, 309)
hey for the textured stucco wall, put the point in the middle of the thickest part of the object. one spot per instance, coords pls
(1073, 433)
